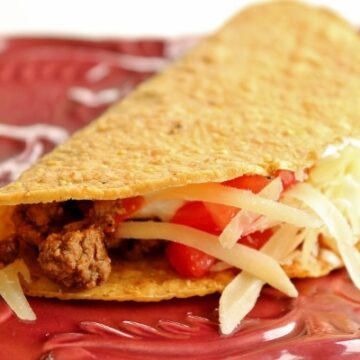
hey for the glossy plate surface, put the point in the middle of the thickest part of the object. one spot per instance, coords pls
(62, 85)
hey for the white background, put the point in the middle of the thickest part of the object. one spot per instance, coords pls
(135, 18)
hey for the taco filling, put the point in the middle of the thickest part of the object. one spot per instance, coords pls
(252, 223)
(73, 238)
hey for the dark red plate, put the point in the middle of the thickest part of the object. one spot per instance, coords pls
(62, 85)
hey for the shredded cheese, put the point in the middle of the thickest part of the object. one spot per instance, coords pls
(220, 266)
(261, 224)
(242, 257)
(241, 294)
(330, 257)
(12, 292)
(244, 219)
(242, 199)
(237, 300)
(338, 178)
(336, 224)
(310, 246)
(331, 191)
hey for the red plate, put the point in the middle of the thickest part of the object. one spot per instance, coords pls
(65, 84)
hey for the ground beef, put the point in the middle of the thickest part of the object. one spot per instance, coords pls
(34, 222)
(134, 249)
(77, 225)
(103, 214)
(42, 215)
(9, 249)
(75, 259)
(73, 237)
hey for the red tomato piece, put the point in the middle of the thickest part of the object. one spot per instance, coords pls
(130, 206)
(222, 214)
(257, 239)
(212, 218)
(287, 177)
(195, 214)
(187, 261)
(254, 183)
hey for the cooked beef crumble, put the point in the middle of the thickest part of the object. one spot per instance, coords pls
(75, 259)
(9, 249)
(132, 249)
(33, 222)
(103, 213)
(72, 238)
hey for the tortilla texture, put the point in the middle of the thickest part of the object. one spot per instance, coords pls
(272, 89)
(153, 280)
(143, 281)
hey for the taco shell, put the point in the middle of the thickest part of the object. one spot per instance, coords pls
(272, 89)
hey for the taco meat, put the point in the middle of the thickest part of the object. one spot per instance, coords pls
(34, 222)
(75, 259)
(9, 249)
(72, 239)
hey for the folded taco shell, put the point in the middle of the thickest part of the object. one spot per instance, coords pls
(272, 89)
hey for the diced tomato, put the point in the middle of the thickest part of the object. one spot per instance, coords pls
(212, 218)
(187, 261)
(254, 183)
(222, 214)
(287, 177)
(195, 214)
(129, 207)
(257, 239)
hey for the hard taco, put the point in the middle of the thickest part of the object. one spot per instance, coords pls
(236, 167)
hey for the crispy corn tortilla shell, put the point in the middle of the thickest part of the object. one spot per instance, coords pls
(154, 280)
(145, 281)
(316, 267)
(6, 224)
(272, 89)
